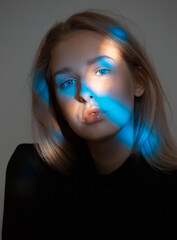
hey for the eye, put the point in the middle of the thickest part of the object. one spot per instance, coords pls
(102, 72)
(67, 83)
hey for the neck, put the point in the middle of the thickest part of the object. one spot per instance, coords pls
(111, 152)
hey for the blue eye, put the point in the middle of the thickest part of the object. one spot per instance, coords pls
(102, 72)
(67, 83)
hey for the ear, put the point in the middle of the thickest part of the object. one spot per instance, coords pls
(139, 83)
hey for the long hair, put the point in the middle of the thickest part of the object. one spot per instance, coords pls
(55, 141)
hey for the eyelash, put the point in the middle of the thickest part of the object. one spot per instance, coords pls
(69, 80)
(74, 81)
(103, 70)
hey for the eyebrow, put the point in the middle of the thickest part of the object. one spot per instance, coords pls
(97, 59)
(89, 62)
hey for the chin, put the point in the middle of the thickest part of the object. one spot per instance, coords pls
(97, 134)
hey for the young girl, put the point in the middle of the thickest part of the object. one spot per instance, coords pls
(104, 162)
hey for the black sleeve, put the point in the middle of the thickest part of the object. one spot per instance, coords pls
(21, 216)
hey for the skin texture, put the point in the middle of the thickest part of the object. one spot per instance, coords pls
(112, 87)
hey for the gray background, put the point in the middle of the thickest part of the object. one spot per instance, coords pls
(22, 25)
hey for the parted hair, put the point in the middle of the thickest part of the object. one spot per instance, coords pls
(55, 141)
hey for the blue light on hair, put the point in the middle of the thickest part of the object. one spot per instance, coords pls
(126, 136)
(40, 87)
(148, 142)
(119, 33)
(57, 135)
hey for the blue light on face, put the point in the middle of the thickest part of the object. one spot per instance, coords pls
(105, 62)
(67, 83)
(120, 115)
(119, 33)
(117, 113)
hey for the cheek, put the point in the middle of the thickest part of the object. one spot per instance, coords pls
(102, 86)
(119, 102)
(68, 106)
(123, 90)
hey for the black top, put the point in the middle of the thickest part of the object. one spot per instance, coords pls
(133, 202)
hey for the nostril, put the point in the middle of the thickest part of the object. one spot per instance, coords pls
(82, 100)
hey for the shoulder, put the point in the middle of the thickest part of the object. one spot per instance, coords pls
(154, 176)
(27, 173)
(26, 163)
(25, 158)
(24, 150)
(25, 168)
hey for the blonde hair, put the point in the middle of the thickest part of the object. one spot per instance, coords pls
(56, 143)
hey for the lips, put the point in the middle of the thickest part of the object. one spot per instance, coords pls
(93, 114)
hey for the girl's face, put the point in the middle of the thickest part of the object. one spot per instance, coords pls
(104, 102)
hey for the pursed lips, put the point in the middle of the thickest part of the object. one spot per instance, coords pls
(92, 110)
(93, 114)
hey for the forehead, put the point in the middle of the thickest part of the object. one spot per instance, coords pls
(82, 45)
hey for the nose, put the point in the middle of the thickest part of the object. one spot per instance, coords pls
(84, 94)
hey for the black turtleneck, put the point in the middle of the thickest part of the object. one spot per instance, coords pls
(133, 202)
